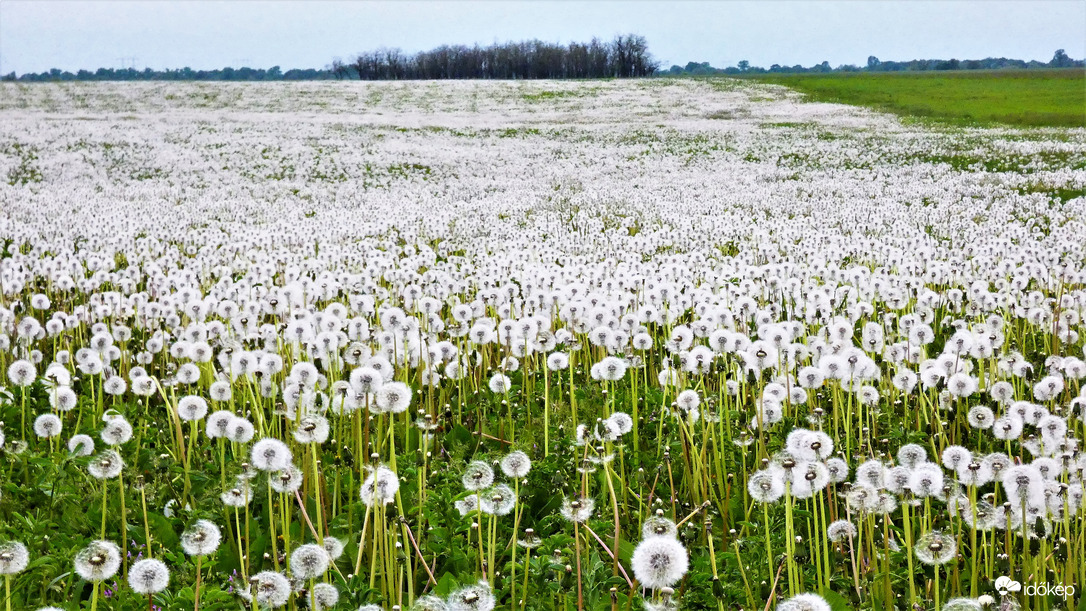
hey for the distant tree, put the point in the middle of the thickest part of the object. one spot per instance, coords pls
(339, 69)
(743, 65)
(1061, 60)
(872, 62)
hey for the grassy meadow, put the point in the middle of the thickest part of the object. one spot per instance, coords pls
(1029, 98)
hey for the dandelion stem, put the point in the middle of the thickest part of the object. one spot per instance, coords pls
(199, 575)
(362, 540)
(146, 523)
(577, 551)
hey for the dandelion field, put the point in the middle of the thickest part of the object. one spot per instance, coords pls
(654, 344)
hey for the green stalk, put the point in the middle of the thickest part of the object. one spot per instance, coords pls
(492, 534)
(124, 523)
(937, 605)
(524, 594)
(271, 525)
(907, 524)
(546, 419)
(768, 544)
(790, 542)
(516, 531)
(146, 524)
(241, 550)
(317, 492)
(105, 490)
(362, 540)
(196, 595)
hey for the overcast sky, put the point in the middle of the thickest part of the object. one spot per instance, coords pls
(36, 35)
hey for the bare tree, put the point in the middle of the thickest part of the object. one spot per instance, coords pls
(626, 56)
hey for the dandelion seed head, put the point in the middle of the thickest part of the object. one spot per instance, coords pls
(191, 408)
(935, 548)
(309, 561)
(47, 426)
(841, 530)
(270, 454)
(476, 597)
(659, 562)
(659, 526)
(14, 557)
(148, 576)
(380, 486)
(201, 539)
(333, 546)
(312, 429)
(240, 430)
(577, 509)
(323, 596)
(98, 561)
(477, 476)
(116, 431)
(80, 445)
(270, 589)
(106, 465)
(804, 602)
(516, 464)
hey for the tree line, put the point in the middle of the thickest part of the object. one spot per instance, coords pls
(627, 56)
(275, 73)
(1059, 60)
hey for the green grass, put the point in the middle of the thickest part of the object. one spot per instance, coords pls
(1033, 98)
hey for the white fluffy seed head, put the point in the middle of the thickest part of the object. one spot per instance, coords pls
(191, 408)
(47, 426)
(270, 454)
(270, 589)
(477, 597)
(323, 596)
(516, 464)
(98, 561)
(659, 562)
(804, 602)
(393, 397)
(13, 557)
(380, 487)
(81, 445)
(309, 561)
(201, 539)
(106, 465)
(148, 576)
(477, 476)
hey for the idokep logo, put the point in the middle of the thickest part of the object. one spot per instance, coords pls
(1005, 585)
